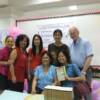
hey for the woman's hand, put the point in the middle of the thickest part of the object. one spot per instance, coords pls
(13, 79)
(67, 77)
(33, 92)
(10, 62)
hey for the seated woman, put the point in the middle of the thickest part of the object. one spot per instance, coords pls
(45, 74)
(73, 73)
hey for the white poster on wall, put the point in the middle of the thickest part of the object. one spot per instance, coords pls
(46, 27)
(46, 32)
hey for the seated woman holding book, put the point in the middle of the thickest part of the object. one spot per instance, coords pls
(45, 74)
(71, 72)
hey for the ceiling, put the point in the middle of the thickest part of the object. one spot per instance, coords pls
(10, 6)
(27, 5)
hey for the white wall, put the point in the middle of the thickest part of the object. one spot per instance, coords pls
(4, 23)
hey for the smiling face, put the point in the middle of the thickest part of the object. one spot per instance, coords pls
(57, 34)
(9, 42)
(74, 33)
(45, 59)
(23, 43)
(57, 37)
(62, 58)
(36, 41)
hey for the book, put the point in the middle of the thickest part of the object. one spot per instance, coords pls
(61, 73)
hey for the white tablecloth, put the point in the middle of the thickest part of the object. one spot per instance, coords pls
(12, 95)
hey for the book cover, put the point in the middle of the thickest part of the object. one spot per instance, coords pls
(61, 73)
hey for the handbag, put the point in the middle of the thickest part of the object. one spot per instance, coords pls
(82, 88)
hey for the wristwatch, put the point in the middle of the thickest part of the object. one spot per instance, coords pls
(83, 73)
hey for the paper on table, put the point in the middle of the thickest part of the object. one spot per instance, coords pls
(34, 97)
(12, 95)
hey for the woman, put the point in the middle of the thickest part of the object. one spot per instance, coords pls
(4, 56)
(34, 56)
(44, 75)
(73, 72)
(19, 59)
(55, 47)
(35, 52)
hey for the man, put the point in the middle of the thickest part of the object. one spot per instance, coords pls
(81, 53)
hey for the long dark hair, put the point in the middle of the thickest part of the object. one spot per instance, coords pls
(33, 45)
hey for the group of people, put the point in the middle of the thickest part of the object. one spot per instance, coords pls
(39, 65)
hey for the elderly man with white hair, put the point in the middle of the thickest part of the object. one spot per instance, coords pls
(81, 54)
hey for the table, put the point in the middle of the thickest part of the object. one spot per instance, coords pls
(13, 95)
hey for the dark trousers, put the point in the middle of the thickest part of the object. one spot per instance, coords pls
(30, 84)
(18, 86)
(3, 82)
(89, 76)
(30, 80)
(89, 80)
(38, 90)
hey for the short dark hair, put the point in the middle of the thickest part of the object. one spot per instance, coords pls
(33, 45)
(57, 31)
(46, 52)
(20, 38)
